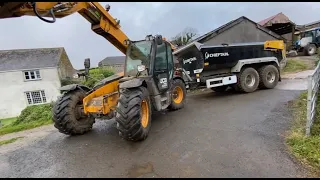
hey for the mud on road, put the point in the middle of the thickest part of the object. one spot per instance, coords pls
(215, 135)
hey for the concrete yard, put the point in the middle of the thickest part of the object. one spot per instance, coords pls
(215, 135)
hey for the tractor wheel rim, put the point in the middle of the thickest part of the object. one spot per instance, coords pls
(271, 76)
(250, 80)
(311, 50)
(144, 114)
(177, 95)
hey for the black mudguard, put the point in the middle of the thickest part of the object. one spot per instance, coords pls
(132, 83)
(72, 87)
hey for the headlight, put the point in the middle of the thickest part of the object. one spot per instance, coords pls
(126, 42)
(76, 75)
(141, 68)
(149, 38)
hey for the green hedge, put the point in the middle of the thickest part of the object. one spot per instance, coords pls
(96, 75)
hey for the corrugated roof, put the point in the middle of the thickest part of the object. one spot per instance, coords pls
(113, 60)
(19, 59)
(278, 18)
(312, 23)
(265, 21)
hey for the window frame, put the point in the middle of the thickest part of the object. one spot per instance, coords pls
(43, 97)
(29, 75)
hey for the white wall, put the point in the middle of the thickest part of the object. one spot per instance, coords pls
(13, 86)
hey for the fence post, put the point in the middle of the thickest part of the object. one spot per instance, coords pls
(309, 103)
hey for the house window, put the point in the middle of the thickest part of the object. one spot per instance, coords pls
(36, 97)
(32, 75)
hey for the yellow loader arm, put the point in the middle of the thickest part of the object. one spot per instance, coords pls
(101, 21)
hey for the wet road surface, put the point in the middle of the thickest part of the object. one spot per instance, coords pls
(215, 135)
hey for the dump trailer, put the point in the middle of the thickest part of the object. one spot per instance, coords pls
(244, 67)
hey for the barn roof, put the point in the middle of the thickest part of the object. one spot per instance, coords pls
(20, 59)
(111, 60)
(278, 23)
(225, 27)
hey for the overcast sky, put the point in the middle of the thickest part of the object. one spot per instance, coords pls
(137, 20)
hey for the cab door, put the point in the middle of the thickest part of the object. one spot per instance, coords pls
(163, 67)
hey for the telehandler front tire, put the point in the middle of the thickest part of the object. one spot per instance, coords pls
(133, 114)
(179, 93)
(68, 116)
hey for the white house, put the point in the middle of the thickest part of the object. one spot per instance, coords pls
(31, 77)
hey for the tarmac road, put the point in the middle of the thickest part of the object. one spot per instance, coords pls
(225, 135)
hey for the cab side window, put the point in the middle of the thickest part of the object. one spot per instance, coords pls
(170, 60)
(161, 58)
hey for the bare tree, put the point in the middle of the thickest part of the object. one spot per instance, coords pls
(184, 37)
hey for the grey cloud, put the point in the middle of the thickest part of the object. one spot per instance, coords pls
(137, 20)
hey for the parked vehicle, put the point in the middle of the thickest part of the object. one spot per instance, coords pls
(309, 42)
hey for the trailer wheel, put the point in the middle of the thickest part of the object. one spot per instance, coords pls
(178, 95)
(248, 80)
(310, 49)
(133, 114)
(220, 88)
(269, 77)
(68, 116)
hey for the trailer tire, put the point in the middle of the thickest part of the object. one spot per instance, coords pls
(67, 115)
(310, 49)
(220, 88)
(133, 114)
(178, 95)
(269, 77)
(248, 80)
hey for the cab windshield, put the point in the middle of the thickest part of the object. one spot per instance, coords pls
(138, 54)
(307, 34)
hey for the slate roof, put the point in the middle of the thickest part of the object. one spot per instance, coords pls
(113, 60)
(19, 59)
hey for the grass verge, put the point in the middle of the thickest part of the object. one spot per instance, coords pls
(7, 121)
(295, 66)
(8, 141)
(23, 126)
(31, 117)
(305, 149)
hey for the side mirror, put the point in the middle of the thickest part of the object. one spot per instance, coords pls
(159, 40)
(87, 66)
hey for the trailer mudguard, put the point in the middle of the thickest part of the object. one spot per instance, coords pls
(72, 87)
(241, 63)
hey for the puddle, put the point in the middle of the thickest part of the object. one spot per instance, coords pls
(139, 170)
(293, 84)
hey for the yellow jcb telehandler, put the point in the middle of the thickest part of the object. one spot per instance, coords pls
(149, 82)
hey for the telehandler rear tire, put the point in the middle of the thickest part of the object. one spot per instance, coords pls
(68, 116)
(179, 93)
(133, 114)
